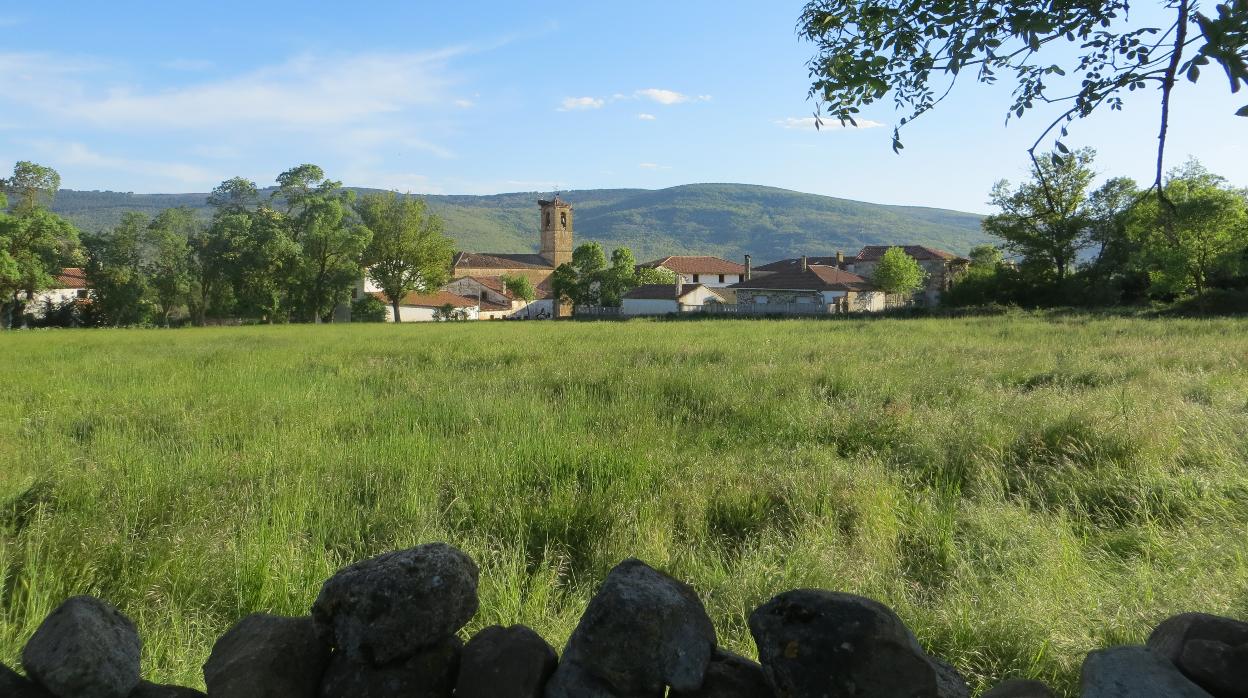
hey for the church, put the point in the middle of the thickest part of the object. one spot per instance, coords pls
(489, 267)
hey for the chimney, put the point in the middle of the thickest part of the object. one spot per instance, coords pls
(804, 267)
(748, 268)
(840, 258)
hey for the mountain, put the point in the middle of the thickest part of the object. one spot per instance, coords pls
(726, 220)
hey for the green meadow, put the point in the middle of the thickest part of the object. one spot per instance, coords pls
(1020, 489)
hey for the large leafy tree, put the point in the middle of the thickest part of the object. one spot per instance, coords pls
(35, 244)
(1080, 56)
(1207, 235)
(32, 186)
(898, 272)
(331, 254)
(619, 278)
(167, 259)
(1046, 220)
(267, 261)
(115, 272)
(408, 251)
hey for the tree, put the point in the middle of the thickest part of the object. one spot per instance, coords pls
(234, 196)
(115, 273)
(519, 287)
(869, 48)
(408, 251)
(619, 279)
(987, 257)
(266, 264)
(368, 309)
(1046, 221)
(331, 251)
(35, 245)
(167, 258)
(565, 284)
(898, 273)
(1208, 235)
(655, 275)
(33, 186)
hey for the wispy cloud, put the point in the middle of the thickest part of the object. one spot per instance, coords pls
(668, 97)
(807, 123)
(77, 154)
(652, 166)
(189, 65)
(580, 103)
(646, 117)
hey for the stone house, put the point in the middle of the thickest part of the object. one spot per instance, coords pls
(943, 268)
(812, 289)
(665, 299)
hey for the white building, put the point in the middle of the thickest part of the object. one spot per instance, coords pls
(421, 307)
(712, 272)
(666, 299)
(70, 285)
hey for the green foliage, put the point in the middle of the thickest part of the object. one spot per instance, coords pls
(915, 51)
(987, 257)
(519, 287)
(115, 273)
(408, 251)
(655, 275)
(167, 262)
(1047, 220)
(1024, 493)
(35, 244)
(1205, 234)
(368, 309)
(898, 272)
(33, 186)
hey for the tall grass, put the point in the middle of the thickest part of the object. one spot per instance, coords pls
(1020, 489)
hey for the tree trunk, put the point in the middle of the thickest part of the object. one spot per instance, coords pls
(395, 306)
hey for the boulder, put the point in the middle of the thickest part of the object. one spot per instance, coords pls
(642, 631)
(430, 673)
(14, 685)
(1210, 650)
(830, 644)
(1216, 667)
(1020, 688)
(85, 648)
(500, 662)
(730, 676)
(1133, 672)
(949, 683)
(266, 656)
(573, 681)
(391, 606)
(147, 689)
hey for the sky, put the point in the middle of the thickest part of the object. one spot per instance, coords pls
(489, 96)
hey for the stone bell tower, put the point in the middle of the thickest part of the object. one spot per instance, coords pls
(556, 230)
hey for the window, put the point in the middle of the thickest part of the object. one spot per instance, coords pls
(82, 293)
(563, 219)
(695, 278)
(760, 300)
(355, 293)
(721, 278)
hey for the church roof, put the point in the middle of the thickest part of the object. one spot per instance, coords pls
(501, 261)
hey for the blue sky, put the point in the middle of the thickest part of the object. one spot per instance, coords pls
(488, 97)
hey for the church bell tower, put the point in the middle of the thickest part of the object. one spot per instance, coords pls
(556, 230)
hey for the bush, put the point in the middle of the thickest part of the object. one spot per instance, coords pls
(368, 309)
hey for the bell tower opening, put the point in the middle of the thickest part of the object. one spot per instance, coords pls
(556, 218)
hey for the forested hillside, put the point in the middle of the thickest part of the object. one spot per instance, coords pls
(721, 219)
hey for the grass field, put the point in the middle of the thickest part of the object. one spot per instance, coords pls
(1020, 489)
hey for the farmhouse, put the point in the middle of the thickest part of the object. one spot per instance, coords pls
(497, 303)
(70, 285)
(809, 289)
(712, 272)
(664, 299)
(422, 307)
(942, 267)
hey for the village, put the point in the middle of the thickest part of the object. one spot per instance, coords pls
(807, 285)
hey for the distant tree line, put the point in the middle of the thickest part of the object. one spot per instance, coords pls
(1064, 243)
(292, 256)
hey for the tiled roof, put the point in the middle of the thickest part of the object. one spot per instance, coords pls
(660, 291)
(431, 300)
(796, 263)
(544, 290)
(874, 253)
(494, 283)
(815, 278)
(475, 260)
(697, 265)
(71, 277)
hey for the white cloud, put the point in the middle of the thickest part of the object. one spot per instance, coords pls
(188, 64)
(578, 103)
(652, 166)
(646, 117)
(78, 155)
(807, 123)
(464, 103)
(668, 97)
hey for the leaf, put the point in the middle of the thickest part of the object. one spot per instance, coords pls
(1062, 147)
(1243, 111)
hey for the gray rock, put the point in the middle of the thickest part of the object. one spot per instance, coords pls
(503, 662)
(430, 673)
(147, 689)
(85, 648)
(573, 681)
(1168, 638)
(1020, 688)
(730, 676)
(14, 685)
(641, 632)
(826, 644)
(949, 683)
(391, 606)
(1133, 672)
(1216, 667)
(266, 656)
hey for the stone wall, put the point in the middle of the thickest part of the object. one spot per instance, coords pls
(389, 627)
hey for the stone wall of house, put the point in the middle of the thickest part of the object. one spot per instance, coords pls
(390, 626)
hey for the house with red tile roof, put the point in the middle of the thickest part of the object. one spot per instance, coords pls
(427, 307)
(809, 289)
(69, 286)
(943, 268)
(712, 272)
